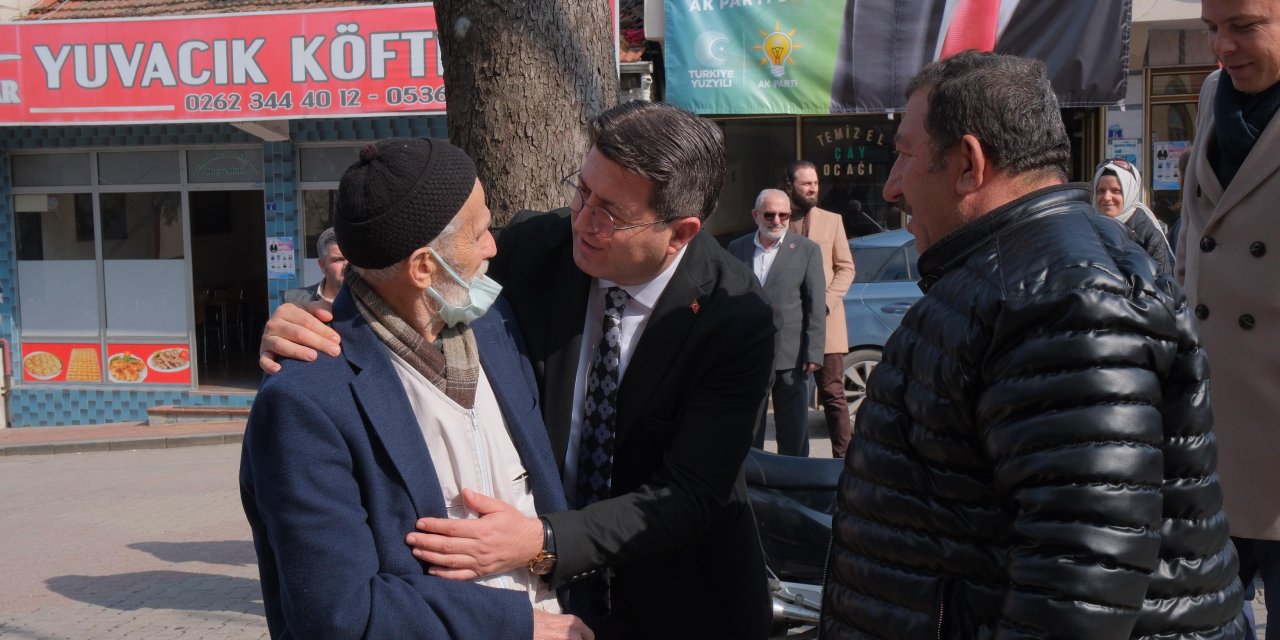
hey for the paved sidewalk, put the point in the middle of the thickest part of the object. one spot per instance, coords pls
(122, 436)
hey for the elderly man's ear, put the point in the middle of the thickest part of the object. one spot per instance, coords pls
(421, 268)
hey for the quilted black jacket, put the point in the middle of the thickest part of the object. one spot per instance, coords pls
(1034, 456)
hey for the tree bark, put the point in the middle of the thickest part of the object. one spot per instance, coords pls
(524, 77)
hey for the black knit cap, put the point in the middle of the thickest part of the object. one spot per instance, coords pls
(398, 197)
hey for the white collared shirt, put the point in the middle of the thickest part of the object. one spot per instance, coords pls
(473, 449)
(762, 260)
(634, 319)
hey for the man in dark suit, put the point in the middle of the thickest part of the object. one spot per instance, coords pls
(884, 44)
(683, 369)
(789, 267)
(332, 264)
(343, 456)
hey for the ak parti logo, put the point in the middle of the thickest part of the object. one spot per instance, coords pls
(8, 87)
(777, 48)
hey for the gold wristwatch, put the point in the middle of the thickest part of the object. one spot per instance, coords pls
(545, 561)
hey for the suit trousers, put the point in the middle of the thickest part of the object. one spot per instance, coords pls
(835, 405)
(790, 412)
(1259, 558)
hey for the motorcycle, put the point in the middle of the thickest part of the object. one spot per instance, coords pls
(793, 500)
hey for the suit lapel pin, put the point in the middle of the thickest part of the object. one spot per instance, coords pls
(694, 306)
(791, 246)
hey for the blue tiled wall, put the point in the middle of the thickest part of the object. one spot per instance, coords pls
(47, 405)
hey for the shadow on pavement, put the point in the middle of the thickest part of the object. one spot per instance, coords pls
(176, 590)
(232, 552)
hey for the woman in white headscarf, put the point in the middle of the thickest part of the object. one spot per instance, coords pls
(1116, 185)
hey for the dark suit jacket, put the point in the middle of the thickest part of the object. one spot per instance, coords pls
(795, 288)
(679, 531)
(303, 294)
(885, 44)
(335, 472)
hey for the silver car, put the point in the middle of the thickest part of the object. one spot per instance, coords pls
(882, 291)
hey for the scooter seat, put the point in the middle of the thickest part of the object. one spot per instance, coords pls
(770, 470)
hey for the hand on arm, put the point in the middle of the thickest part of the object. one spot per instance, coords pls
(297, 332)
(500, 540)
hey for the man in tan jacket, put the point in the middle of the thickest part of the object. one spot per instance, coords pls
(827, 230)
(1228, 252)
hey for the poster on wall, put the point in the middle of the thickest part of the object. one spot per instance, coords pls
(1164, 159)
(280, 258)
(148, 363)
(326, 63)
(849, 56)
(61, 362)
(1125, 149)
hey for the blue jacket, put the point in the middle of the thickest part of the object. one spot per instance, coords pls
(335, 472)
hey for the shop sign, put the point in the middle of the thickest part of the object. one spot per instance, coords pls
(126, 364)
(858, 56)
(354, 61)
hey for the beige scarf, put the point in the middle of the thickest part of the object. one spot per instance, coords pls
(453, 366)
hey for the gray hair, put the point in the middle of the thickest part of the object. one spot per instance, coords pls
(682, 154)
(770, 192)
(327, 237)
(1006, 102)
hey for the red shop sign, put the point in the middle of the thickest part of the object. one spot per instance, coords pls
(248, 66)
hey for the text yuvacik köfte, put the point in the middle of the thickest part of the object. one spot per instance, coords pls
(345, 55)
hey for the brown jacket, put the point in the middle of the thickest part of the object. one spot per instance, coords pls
(1229, 264)
(827, 230)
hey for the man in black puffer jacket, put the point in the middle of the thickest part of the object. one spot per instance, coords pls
(1034, 457)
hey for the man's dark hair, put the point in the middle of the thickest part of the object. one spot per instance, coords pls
(1006, 102)
(682, 154)
(795, 166)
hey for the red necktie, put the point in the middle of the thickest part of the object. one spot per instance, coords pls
(973, 26)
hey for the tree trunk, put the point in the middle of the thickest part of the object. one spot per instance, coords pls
(524, 78)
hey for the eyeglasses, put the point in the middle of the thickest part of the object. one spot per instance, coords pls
(780, 217)
(1118, 162)
(603, 223)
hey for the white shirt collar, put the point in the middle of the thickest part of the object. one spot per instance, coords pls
(647, 293)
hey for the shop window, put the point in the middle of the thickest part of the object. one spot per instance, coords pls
(1178, 84)
(325, 164)
(220, 166)
(317, 213)
(853, 156)
(138, 167)
(143, 270)
(51, 170)
(757, 151)
(57, 272)
(319, 169)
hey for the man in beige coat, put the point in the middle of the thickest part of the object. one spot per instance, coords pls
(1229, 264)
(827, 230)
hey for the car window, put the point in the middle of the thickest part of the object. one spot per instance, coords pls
(895, 268)
(913, 260)
(867, 261)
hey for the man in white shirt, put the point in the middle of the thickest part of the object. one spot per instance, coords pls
(332, 265)
(789, 267)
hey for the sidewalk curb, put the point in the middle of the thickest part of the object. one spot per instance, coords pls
(121, 444)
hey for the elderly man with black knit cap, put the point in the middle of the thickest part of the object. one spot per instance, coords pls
(430, 411)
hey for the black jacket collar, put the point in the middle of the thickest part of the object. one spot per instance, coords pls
(953, 249)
